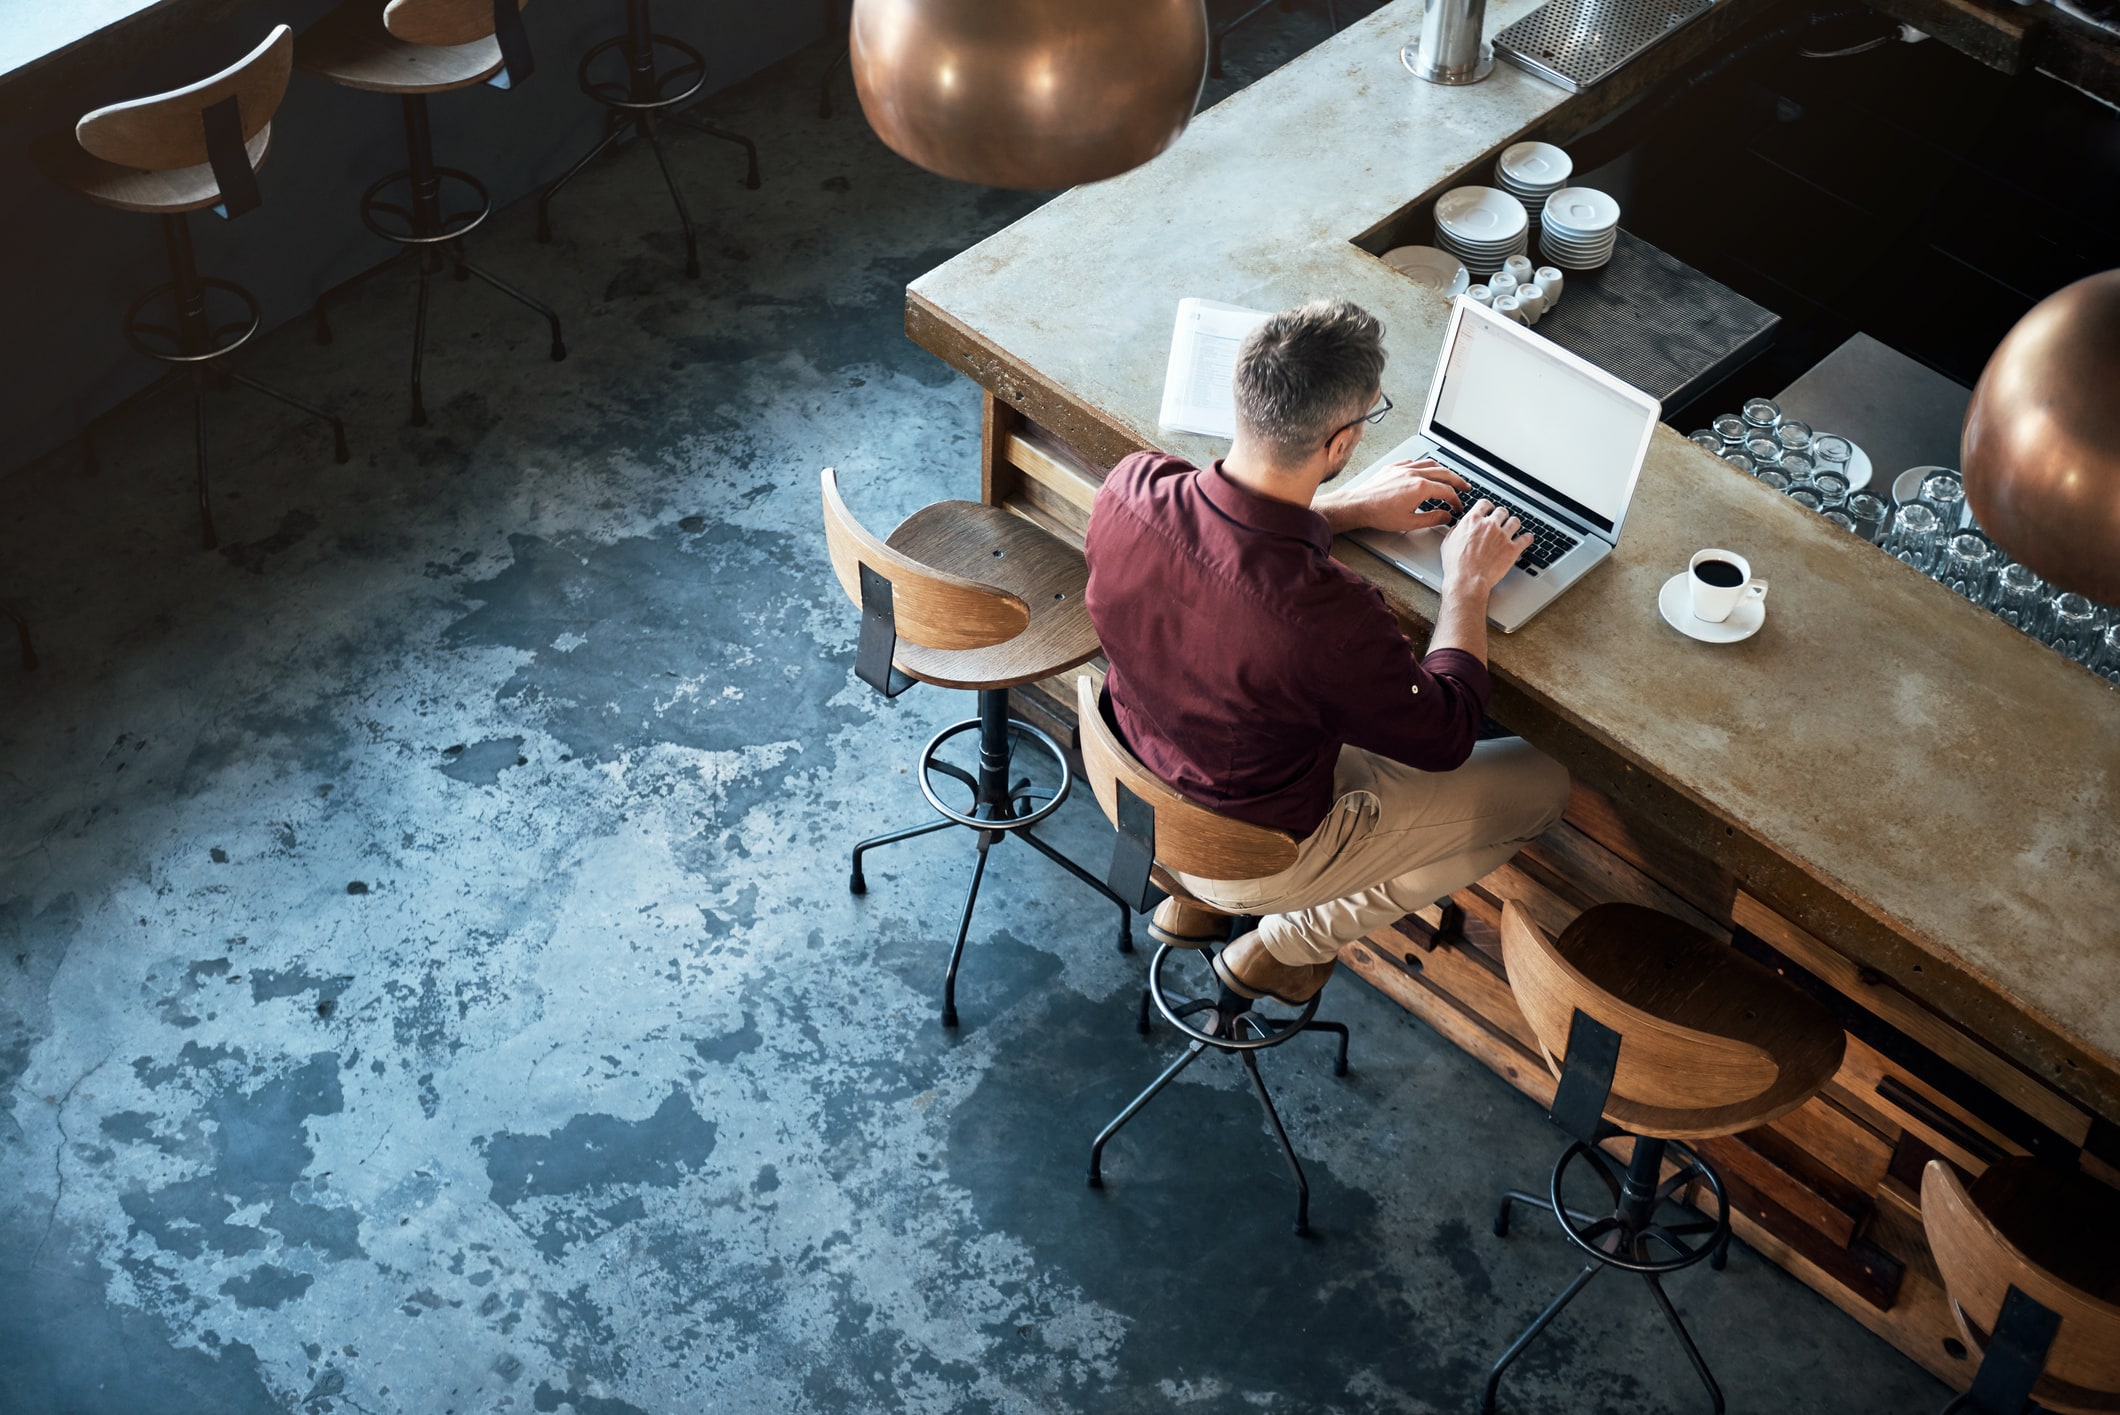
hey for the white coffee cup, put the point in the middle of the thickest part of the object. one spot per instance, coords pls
(1713, 601)
(1502, 284)
(1480, 294)
(1519, 268)
(1549, 280)
(1507, 305)
(1531, 300)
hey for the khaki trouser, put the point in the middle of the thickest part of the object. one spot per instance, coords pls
(1396, 840)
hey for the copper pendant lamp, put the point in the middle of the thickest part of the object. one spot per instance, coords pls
(1033, 94)
(2041, 446)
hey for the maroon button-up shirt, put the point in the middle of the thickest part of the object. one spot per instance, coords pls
(1243, 656)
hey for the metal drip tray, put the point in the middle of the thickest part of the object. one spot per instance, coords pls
(1575, 43)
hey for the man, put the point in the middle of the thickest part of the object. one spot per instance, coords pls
(1264, 680)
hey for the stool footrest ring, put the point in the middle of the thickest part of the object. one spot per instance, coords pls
(401, 223)
(167, 343)
(621, 94)
(1631, 1253)
(1267, 1030)
(1018, 731)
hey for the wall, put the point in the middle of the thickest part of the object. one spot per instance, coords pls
(73, 267)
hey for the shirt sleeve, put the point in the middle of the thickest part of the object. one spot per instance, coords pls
(1424, 712)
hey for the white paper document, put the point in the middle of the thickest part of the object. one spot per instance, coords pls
(1203, 354)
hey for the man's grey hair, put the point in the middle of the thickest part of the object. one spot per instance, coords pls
(1307, 372)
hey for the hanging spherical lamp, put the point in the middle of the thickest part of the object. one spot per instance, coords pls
(2041, 446)
(1033, 94)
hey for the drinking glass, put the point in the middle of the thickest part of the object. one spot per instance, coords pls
(1763, 450)
(1740, 461)
(1842, 520)
(1797, 465)
(1705, 438)
(1773, 477)
(1869, 513)
(1793, 435)
(1967, 565)
(1944, 494)
(1730, 428)
(1832, 489)
(1915, 537)
(2108, 659)
(1831, 452)
(2073, 625)
(1762, 412)
(2019, 598)
(1806, 497)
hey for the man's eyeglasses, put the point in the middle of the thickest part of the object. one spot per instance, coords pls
(1373, 416)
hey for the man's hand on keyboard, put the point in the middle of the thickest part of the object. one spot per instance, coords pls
(1481, 547)
(1392, 499)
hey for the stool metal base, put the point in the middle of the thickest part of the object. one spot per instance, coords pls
(1232, 1024)
(1630, 1237)
(641, 102)
(1001, 808)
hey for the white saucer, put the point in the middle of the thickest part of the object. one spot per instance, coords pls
(1479, 214)
(1675, 603)
(1581, 211)
(1906, 490)
(1425, 265)
(1859, 469)
(1535, 164)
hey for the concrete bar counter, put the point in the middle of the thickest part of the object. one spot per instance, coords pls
(1887, 792)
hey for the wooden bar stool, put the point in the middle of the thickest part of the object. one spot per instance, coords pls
(1161, 831)
(969, 596)
(641, 101)
(414, 48)
(168, 155)
(1658, 1031)
(2030, 1255)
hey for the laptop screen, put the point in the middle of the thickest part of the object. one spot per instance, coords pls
(1509, 399)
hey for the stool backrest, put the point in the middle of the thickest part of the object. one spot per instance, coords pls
(1662, 1065)
(1189, 837)
(166, 131)
(441, 22)
(933, 608)
(1980, 1265)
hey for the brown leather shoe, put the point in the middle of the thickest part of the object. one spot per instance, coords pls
(1248, 970)
(1184, 924)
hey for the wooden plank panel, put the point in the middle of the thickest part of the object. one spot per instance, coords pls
(1954, 1132)
(1687, 873)
(1055, 468)
(1471, 978)
(1833, 1217)
(1471, 1033)
(1601, 876)
(1839, 1140)
(998, 478)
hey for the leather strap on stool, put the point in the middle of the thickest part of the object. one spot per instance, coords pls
(225, 153)
(878, 643)
(2016, 1354)
(514, 40)
(1134, 852)
(1586, 1078)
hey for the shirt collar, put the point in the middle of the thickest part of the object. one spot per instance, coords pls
(1263, 513)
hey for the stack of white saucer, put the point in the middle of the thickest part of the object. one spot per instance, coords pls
(1579, 228)
(1482, 227)
(1531, 172)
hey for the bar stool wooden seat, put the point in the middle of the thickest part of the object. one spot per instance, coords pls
(2030, 1255)
(640, 103)
(963, 595)
(168, 155)
(413, 49)
(1161, 831)
(1660, 1032)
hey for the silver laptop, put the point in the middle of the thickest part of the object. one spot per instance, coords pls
(1535, 428)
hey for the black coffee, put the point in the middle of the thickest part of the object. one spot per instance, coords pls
(1720, 573)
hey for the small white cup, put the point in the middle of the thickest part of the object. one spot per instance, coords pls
(1480, 294)
(1531, 300)
(1549, 280)
(1519, 268)
(1714, 602)
(1502, 284)
(1507, 305)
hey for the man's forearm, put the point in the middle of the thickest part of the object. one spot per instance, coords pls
(1461, 622)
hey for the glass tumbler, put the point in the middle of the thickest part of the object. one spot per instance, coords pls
(1945, 495)
(1763, 450)
(1832, 489)
(1831, 451)
(1967, 565)
(1842, 520)
(2019, 598)
(1793, 435)
(2108, 659)
(2072, 625)
(1730, 428)
(1797, 465)
(1773, 477)
(1915, 537)
(1869, 513)
(1705, 437)
(1762, 412)
(1740, 461)
(1806, 497)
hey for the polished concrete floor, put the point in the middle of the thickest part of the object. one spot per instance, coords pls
(428, 981)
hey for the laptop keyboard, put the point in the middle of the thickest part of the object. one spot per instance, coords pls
(1548, 541)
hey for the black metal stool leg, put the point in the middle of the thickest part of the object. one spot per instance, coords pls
(338, 429)
(684, 217)
(1339, 1030)
(559, 348)
(715, 130)
(1288, 1150)
(1133, 1108)
(1685, 1339)
(1516, 1349)
(1126, 913)
(964, 928)
(207, 539)
(544, 198)
(1536, 1201)
(419, 348)
(858, 883)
